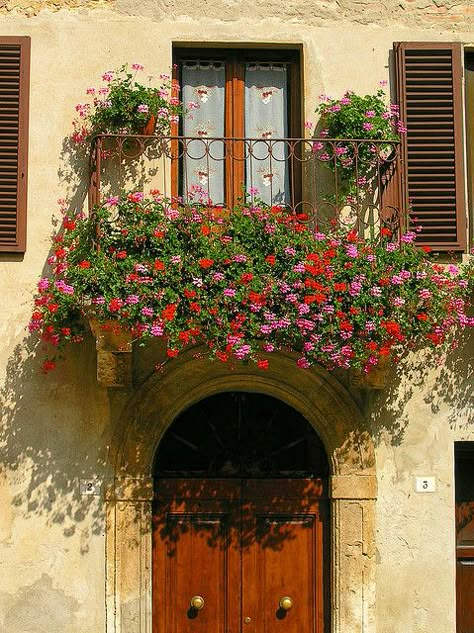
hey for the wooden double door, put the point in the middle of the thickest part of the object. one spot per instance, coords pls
(239, 556)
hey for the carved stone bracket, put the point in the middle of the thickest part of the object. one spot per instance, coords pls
(114, 354)
(377, 378)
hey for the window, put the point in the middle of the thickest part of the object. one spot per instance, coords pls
(235, 95)
(14, 98)
(429, 78)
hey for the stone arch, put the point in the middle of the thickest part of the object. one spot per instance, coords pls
(316, 394)
(328, 407)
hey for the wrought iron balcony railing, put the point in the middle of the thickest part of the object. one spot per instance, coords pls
(351, 182)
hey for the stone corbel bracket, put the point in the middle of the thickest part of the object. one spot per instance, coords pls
(378, 377)
(114, 354)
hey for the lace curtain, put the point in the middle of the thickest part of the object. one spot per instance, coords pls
(265, 118)
(203, 93)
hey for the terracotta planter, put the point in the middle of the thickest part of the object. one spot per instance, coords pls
(149, 127)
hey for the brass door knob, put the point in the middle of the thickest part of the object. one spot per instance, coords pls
(197, 602)
(286, 603)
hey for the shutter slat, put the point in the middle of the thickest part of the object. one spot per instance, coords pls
(429, 90)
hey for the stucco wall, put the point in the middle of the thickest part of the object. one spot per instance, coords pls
(56, 429)
(436, 14)
(418, 419)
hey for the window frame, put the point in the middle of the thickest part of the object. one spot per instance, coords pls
(234, 60)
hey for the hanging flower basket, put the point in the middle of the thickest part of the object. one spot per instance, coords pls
(245, 282)
(123, 105)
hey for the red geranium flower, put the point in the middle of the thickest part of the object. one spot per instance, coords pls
(246, 278)
(169, 312)
(48, 365)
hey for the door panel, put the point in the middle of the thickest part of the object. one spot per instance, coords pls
(465, 595)
(242, 546)
(195, 554)
(284, 559)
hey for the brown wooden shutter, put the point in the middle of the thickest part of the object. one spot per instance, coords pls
(429, 79)
(14, 100)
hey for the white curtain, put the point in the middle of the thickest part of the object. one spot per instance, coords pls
(203, 93)
(266, 118)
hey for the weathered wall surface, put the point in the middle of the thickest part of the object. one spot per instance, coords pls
(435, 14)
(56, 429)
(418, 419)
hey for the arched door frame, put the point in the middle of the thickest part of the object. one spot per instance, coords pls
(327, 406)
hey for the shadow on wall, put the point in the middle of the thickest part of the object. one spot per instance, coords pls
(73, 174)
(138, 165)
(53, 435)
(55, 428)
(455, 385)
(443, 382)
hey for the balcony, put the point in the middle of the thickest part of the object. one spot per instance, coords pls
(352, 183)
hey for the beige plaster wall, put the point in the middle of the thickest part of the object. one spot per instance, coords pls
(418, 419)
(56, 429)
(436, 14)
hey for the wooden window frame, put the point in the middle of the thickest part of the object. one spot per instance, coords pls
(234, 123)
(24, 44)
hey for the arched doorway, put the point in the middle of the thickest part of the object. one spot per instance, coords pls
(151, 409)
(241, 521)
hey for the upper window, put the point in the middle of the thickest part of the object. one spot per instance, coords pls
(233, 95)
(14, 97)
